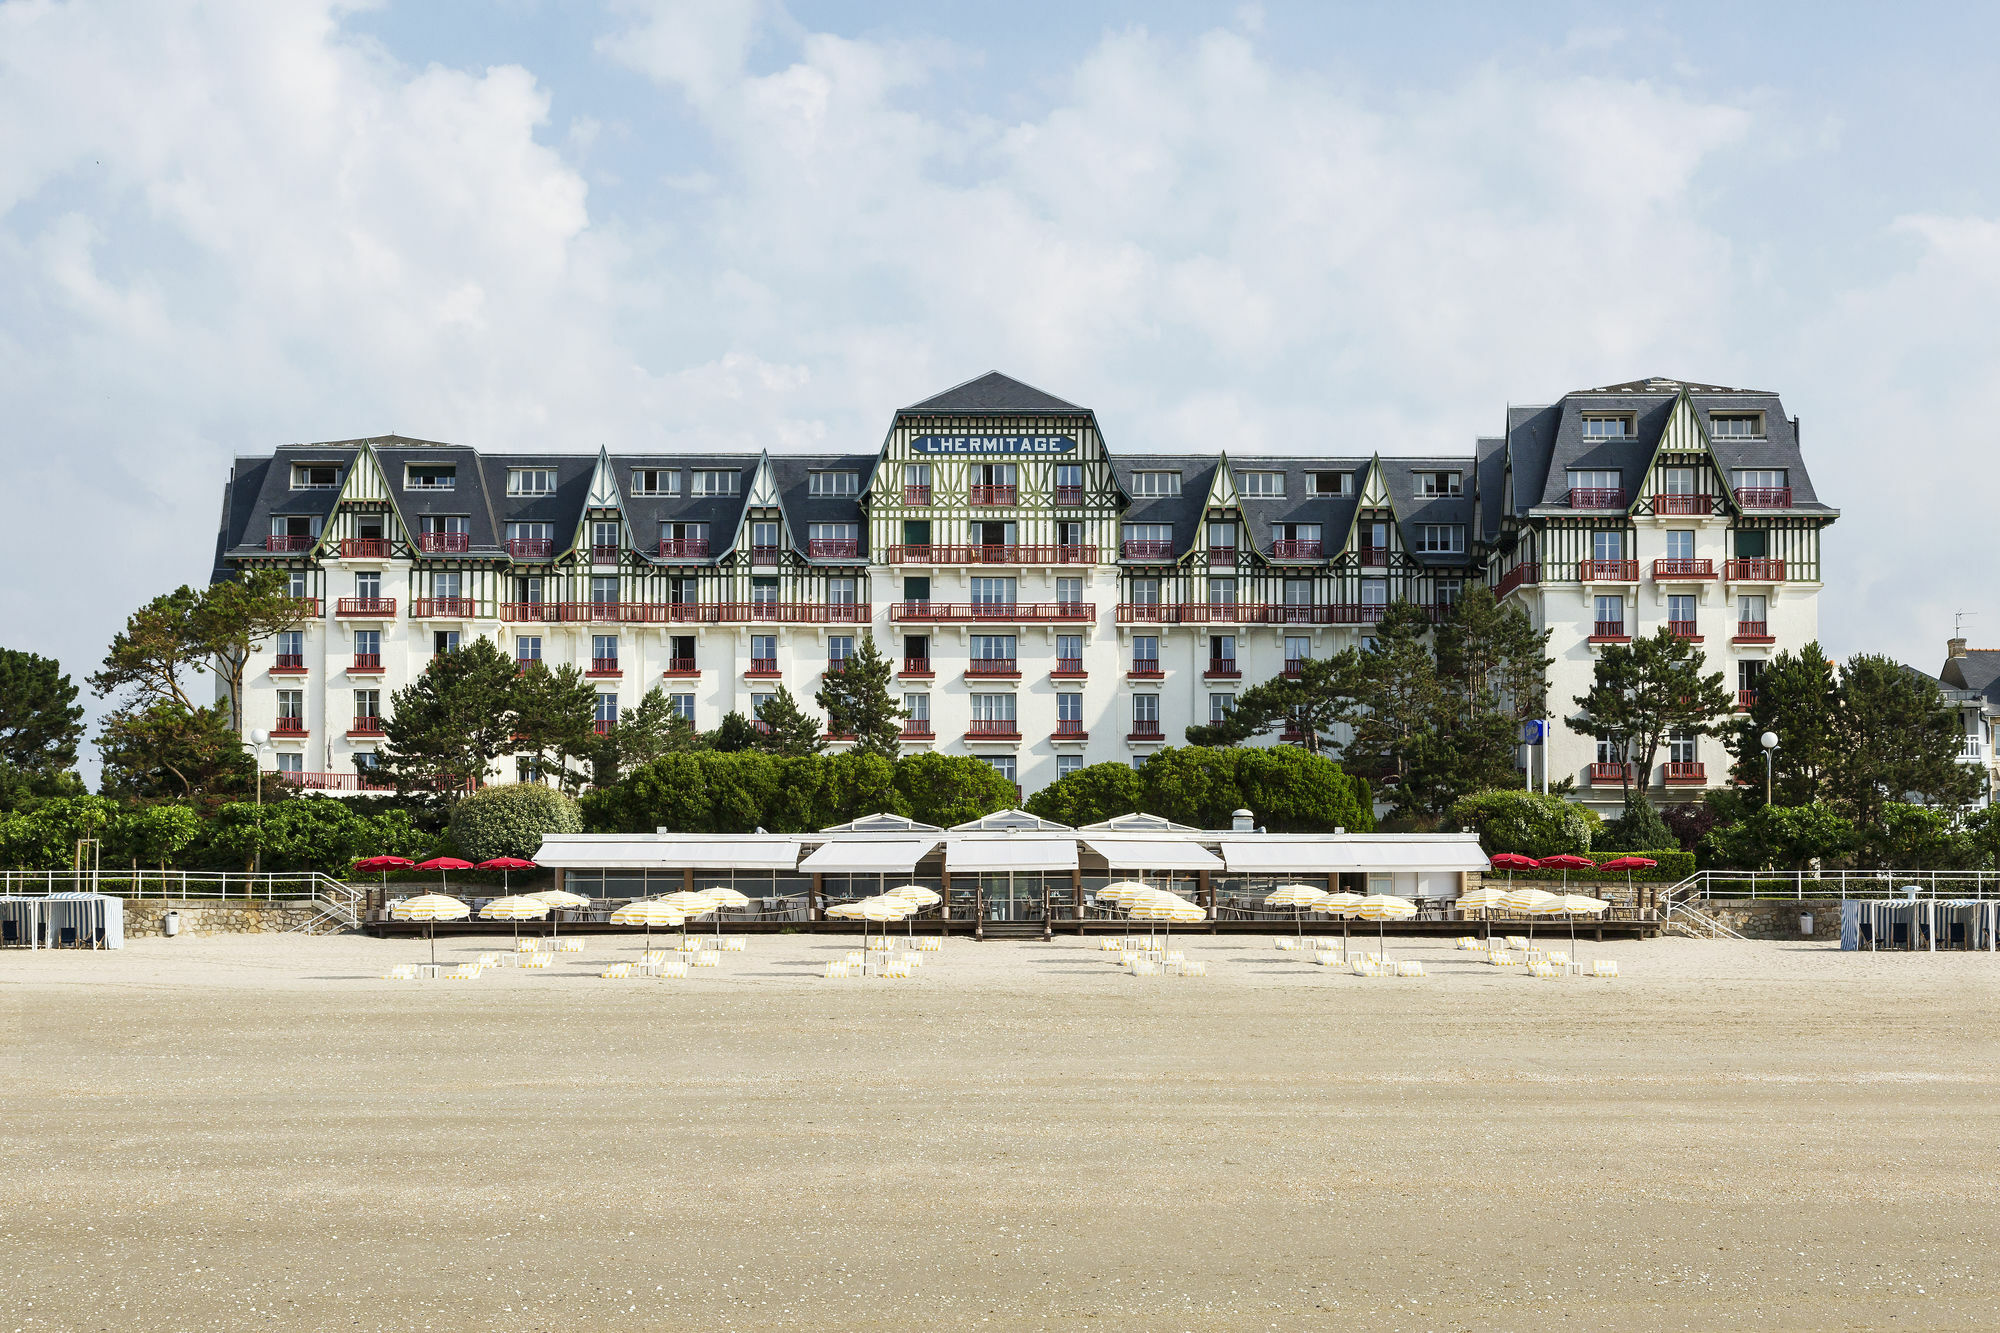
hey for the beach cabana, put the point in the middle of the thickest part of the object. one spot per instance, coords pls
(62, 921)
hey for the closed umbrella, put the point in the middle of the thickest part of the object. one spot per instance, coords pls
(430, 908)
(1383, 908)
(517, 909)
(1298, 897)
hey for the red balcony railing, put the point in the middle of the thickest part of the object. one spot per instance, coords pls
(1300, 549)
(603, 726)
(531, 548)
(366, 662)
(684, 548)
(1597, 497)
(603, 666)
(442, 608)
(1608, 629)
(1296, 666)
(992, 666)
(1145, 731)
(531, 612)
(365, 606)
(1374, 556)
(1005, 728)
(1608, 775)
(329, 781)
(917, 666)
(681, 666)
(1147, 549)
(605, 553)
(1607, 571)
(289, 662)
(1668, 569)
(1681, 774)
(364, 548)
(689, 613)
(762, 666)
(1683, 629)
(1527, 572)
(1765, 497)
(938, 554)
(1757, 569)
(366, 725)
(1146, 666)
(833, 548)
(444, 543)
(991, 495)
(916, 495)
(1068, 666)
(289, 726)
(1223, 668)
(1671, 505)
(835, 665)
(1070, 728)
(763, 555)
(1753, 631)
(1069, 496)
(945, 612)
(915, 730)
(1221, 555)
(289, 543)
(1746, 700)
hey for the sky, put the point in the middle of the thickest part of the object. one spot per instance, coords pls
(750, 225)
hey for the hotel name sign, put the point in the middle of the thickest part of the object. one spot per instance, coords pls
(993, 444)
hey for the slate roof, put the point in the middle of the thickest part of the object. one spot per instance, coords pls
(1978, 671)
(261, 489)
(1490, 482)
(803, 508)
(993, 394)
(645, 513)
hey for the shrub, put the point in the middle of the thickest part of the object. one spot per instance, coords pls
(945, 789)
(1090, 795)
(510, 820)
(1640, 826)
(1674, 866)
(1526, 822)
(311, 833)
(1286, 789)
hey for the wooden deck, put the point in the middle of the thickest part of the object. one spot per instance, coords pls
(1543, 927)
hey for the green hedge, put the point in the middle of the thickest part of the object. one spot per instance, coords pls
(708, 791)
(1286, 789)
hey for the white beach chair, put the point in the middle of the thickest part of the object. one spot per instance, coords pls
(1501, 958)
(463, 972)
(401, 972)
(616, 972)
(707, 958)
(1604, 967)
(527, 946)
(834, 971)
(1411, 969)
(930, 943)
(571, 945)
(736, 944)
(538, 962)
(1196, 969)
(854, 958)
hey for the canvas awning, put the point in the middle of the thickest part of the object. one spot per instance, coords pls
(1154, 854)
(1277, 855)
(963, 855)
(722, 851)
(872, 856)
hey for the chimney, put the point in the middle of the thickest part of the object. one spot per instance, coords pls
(1954, 648)
(1243, 822)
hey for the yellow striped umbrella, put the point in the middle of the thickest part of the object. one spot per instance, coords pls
(1483, 900)
(1341, 905)
(517, 908)
(1298, 897)
(430, 908)
(558, 899)
(1577, 904)
(1383, 908)
(724, 897)
(918, 895)
(648, 912)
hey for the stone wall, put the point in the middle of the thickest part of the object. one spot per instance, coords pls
(1773, 918)
(210, 917)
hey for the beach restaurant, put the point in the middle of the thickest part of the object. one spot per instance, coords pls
(1015, 873)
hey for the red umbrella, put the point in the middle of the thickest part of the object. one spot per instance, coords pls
(1567, 863)
(1510, 862)
(442, 864)
(503, 864)
(385, 864)
(1628, 864)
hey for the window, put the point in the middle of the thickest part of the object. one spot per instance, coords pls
(916, 532)
(918, 709)
(1069, 652)
(604, 590)
(291, 761)
(1441, 538)
(528, 648)
(917, 474)
(1680, 613)
(1145, 592)
(1758, 479)
(306, 526)
(1069, 708)
(1149, 532)
(1752, 543)
(1750, 611)
(315, 476)
(1607, 544)
(528, 590)
(917, 589)
(1606, 427)
(368, 585)
(833, 532)
(764, 536)
(680, 652)
(291, 705)
(1609, 751)
(1297, 649)
(993, 592)
(1304, 537)
(656, 481)
(839, 648)
(368, 644)
(368, 703)
(1067, 764)
(1298, 592)
(764, 649)
(1069, 592)
(1262, 485)
(682, 706)
(1220, 706)
(1736, 425)
(1595, 479)
(1222, 592)
(1069, 483)
(606, 535)
(531, 532)
(1440, 483)
(1374, 592)
(1156, 483)
(715, 481)
(291, 647)
(1003, 764)
(757, 702)
(917, 648)
(1677, 481)
(1680, 543)
(1146, 652)
(430, 477)
(604, 650)
(841, 592)
(531, 481)
(763, 591)
(1749, 675)
(684, 590)
(833, 483)
(992, 647)
(445, 585)
(295, 583)
(1330, 483)
(1681, 748)
(1222, 537)
(1611, 614)
(1449, 591)
(1222, 648)
(992, 708)
(1146, 708)
(606, 711)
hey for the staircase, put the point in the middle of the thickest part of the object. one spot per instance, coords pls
(1011, 930)
(1684, 919)
(339, 908)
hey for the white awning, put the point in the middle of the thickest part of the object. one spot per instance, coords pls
(721, 851)
(1154, 854)
(896, 856)
(1003, 853)
(1279, 855)
(1392, 852)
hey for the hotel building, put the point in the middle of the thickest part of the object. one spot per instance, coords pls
(1048, 601)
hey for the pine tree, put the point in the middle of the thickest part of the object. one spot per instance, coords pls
(652, 730)
(1647, 692)
(555, 714)
(1494, 664)
(447, 727)
(40, 724)
(1893, 737)
(1402, 731)
(857, 702)
(733, 734)
(786, 729)
(1798, 699)
(1323, 694)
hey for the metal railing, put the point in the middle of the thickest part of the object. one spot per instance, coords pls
(1800, 885)
(1668, 568)
(230, 885)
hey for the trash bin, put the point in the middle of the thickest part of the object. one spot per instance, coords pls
(1805, 924)
(170, 924)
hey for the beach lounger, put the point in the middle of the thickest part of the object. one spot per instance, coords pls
(707, 958)
(1411, 969)
(401, 972)
(1604, 967)
(538, 962)
(912, 960)
(616, 972)
(835, 971)
(463, 972)
(735, 943)
(1197, 969)
(570, 945)
(527, 946)
(1500, 958)
(1518, 942)
(673, 967)
(854, 958)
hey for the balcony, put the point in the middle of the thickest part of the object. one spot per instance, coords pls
(916, 495)
(1188, 613)
(1608, 775)
(1674, 506)
(606, 553)
(1376, 557)
(681, 666)
(688, 613)
(531, 612)
(1146, 668)
(365, 606)
(289, 664)
(1756, 569)
(763, 555)
(329, 781)
(1222, 668)
(762, 666)
(1669, 570)
(833, 548)
(1609, 631)
(683, 548)
(918, 729)
(1684, 629)
(1069, 729)
(603, 666)
(1146, 730)
(1971, 750)
(365, 662)
(993, 729)
(1302, 549)
(1597, 497)
(289, 726)
(990, 496)
(1765, 497)
(1746, 700)
(366, 725)
(932, 613)
(1526, 573)
(1295, 667)
(834, 666)
(1753, 631)
(444, 543)
(1148, 549)
(364, 548)
(917, 667)
(284, 545)
(936, 554)
(1069, 497)
(1221, 555)
(1068, 668)
(1686, 775)
(992, 666)
(603, 726)
(442, 608)
(1607, 571)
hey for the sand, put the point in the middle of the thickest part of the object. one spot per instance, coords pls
(250, 1132)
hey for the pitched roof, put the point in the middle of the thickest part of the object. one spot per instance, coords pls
(993, 394)
(1666, 384)
(1978, 670)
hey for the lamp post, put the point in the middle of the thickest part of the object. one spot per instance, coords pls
(259, 739)
(1769, 740)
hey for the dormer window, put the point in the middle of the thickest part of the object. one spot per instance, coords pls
(833, 483)
(531, 481)
(1330, 483)
(315, 476)
(656, 481)
(430, 477)
(1736, 426)
(1261, 485)
(1441, 483)
(1606, 427)
(715, 481)
(1156, 483)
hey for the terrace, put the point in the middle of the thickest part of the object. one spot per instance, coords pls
(1008, 612)
(937, 554)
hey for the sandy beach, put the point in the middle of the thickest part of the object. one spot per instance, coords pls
(248, 1131)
